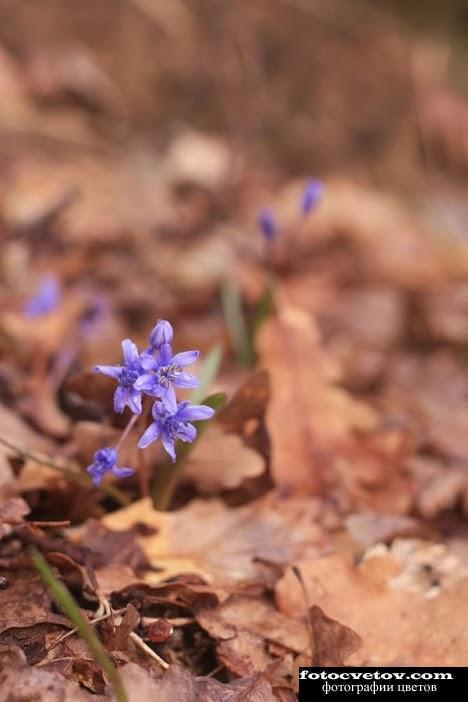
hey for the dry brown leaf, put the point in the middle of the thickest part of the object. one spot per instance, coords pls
(26, 602)
(221, 461)
(194, 157)
(367, 528)
(15, 430)
(223, 544)
(320, 416)
(176, 685)
(245, 627)
(251, 634)
(333, 642)
(445, 311)
(395, 588)
(429, 394)
(391, 243)
(438, 487)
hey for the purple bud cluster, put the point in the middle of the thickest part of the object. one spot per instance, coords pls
(156, 372)
(311, 195)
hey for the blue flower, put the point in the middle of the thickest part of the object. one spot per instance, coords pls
(105, 461)
(165, 371)
(46, 299)
(268, 224)
(311, 195)
(127, 375)
(171, 422)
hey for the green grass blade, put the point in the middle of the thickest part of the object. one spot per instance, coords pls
(208, 373)
(70, 608)
(237, 323)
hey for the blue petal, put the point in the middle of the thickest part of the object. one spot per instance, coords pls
(168, 399)
(188, 433)
(112, 371)
(120, 400)
(122, 472)
(134, 402)
(96, 473)
(145, 382)
(165, 355)
(186, 358)
(195, 412)
(130, 352)
(186, 380)
(168, 443)
(159, 412)
(150, 435)
(149, 362)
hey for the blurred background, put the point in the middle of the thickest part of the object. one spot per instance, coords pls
(139, 139)
(293, 86)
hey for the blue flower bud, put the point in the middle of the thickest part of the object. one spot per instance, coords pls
(310, 197)
(268, 224)
(161, 334)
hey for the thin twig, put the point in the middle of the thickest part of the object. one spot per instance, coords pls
(139, 642)
(176, 621)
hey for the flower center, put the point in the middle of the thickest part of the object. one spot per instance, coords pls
(168, 373)
(128, 377)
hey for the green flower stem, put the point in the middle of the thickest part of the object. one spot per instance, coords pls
(168, 475)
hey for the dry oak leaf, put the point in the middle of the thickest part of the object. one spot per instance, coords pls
(222, 461)
(309, 417)
(222, 544)
(251, 633)
(381, 599)
(244, 628)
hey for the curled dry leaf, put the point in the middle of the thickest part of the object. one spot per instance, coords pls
(395, 587)
(321, 417)
(223, 544)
